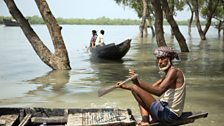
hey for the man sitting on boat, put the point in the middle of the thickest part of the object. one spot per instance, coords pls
(100, 39)
(171, 87)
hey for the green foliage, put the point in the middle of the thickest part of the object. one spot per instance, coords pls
(219, 12)
(137, 5)
(1, 19)
(99, 21)
(179, 4)
(35, 20)
(4, 17)
(208, 6)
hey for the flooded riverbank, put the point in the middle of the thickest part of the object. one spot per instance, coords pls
(27, 82)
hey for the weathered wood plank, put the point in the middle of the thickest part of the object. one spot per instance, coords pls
(2, 122)
(9, 120)
(49, 120)
(25, 120)
(74, 119)
(100, 117)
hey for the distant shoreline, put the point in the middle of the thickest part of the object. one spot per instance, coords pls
(97, 21)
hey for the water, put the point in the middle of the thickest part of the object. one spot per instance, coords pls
(27, 82)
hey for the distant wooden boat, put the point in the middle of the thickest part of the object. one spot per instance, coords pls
(10, 22)
(78, 117)
(111, 51)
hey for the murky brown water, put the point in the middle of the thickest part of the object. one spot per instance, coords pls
(26, 82)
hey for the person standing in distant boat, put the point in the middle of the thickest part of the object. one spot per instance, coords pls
(100, 39)
(93, 38)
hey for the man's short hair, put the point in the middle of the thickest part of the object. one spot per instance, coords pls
(102, 31)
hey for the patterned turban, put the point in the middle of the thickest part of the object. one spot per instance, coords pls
(165, 51)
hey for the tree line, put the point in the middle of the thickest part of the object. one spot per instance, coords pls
(98, 21)
(80, 21)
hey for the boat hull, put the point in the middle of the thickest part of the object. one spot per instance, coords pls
(8, 22)
(78, 117)
(111, 51)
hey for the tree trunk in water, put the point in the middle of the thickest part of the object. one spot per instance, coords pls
(143, 26)
(211, 11)
(172, 12)
(151, 26)
(59, 60)
(180, 38)
(222, 34)
(158, 23)
(219, 27)
(191, 18)
(198, 24)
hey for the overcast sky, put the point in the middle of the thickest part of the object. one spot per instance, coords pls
(89, 9)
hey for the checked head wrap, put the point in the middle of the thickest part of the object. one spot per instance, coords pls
(165, 51)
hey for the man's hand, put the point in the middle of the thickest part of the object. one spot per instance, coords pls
(120, 84)
(133, 73)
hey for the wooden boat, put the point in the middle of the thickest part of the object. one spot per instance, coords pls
(65, 117)
(111, 51)
(78, 117)
(10, 22)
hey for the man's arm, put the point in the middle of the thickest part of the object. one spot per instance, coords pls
(157, 83)
(162, 85)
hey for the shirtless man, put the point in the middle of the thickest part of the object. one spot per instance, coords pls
(171, 89)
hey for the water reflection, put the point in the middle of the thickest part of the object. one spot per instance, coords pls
(204, 63)
(108, 71)
(56, 79)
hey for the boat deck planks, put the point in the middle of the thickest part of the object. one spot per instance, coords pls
(8, 120)
(49, 120)
(77, 117)
(100, 117)
(25, 120)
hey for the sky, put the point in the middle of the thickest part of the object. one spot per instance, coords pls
(88, 9)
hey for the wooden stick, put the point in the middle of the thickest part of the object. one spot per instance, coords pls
(103, 91)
